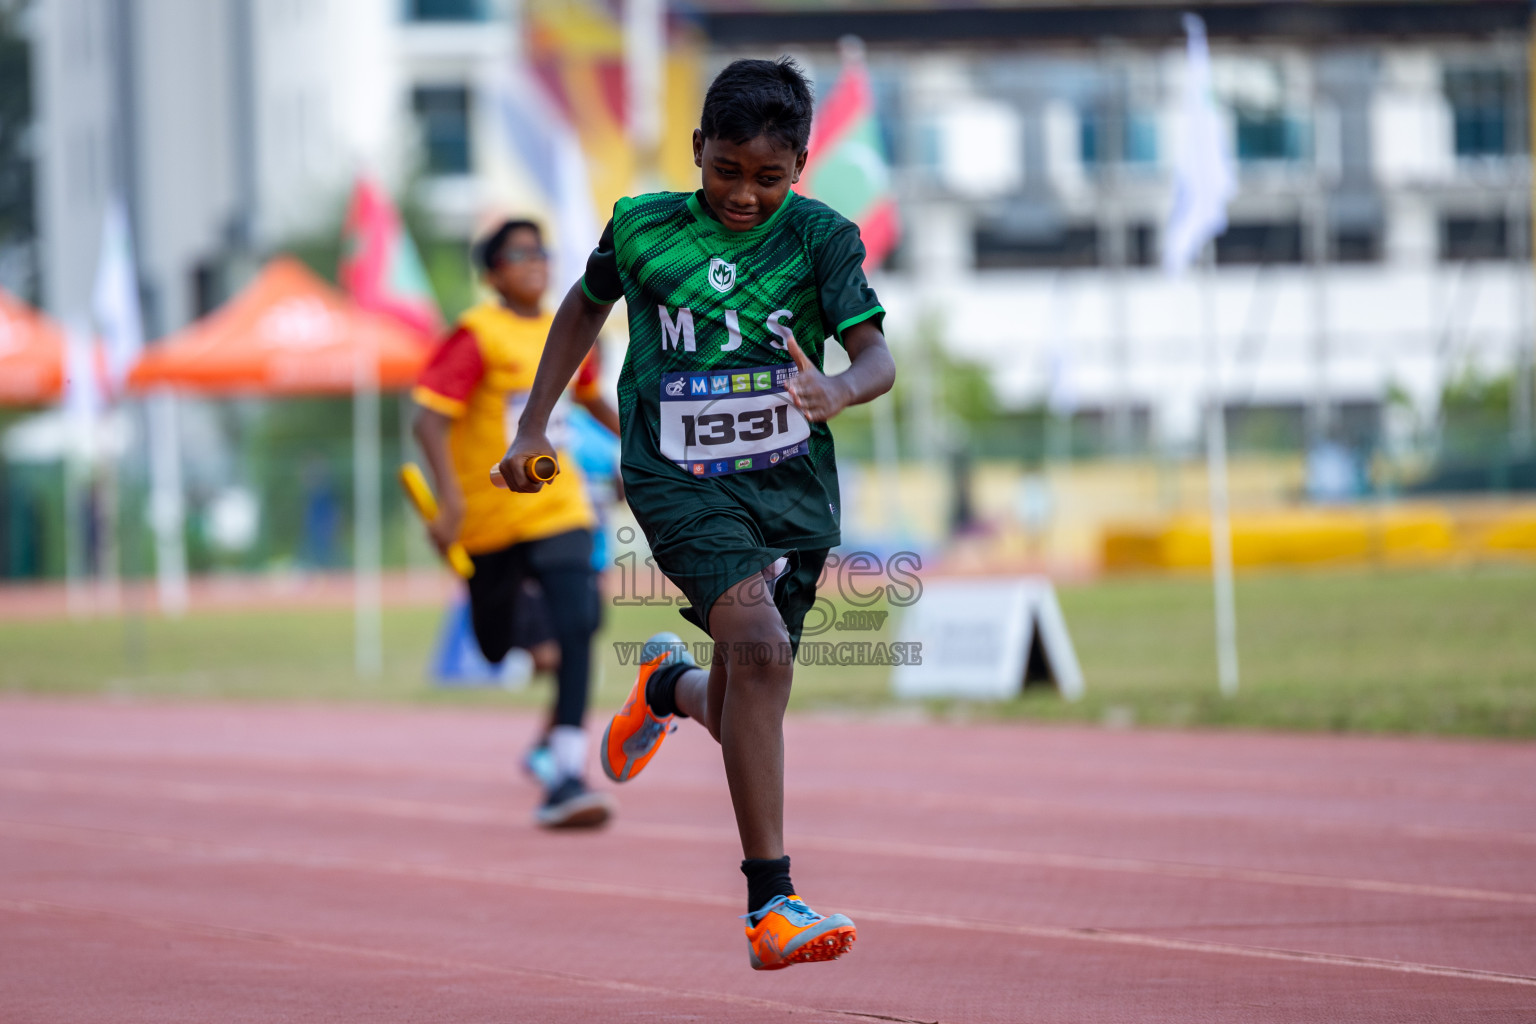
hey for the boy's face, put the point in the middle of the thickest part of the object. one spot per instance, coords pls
(746, 182)
(522, 271)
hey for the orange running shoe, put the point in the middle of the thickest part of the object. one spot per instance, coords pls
(789, 932)
(636, 732)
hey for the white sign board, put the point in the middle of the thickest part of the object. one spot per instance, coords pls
(976, 636)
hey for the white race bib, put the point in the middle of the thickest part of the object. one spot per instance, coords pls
(731, 421)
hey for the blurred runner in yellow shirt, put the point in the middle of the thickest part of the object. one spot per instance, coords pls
(534, 586)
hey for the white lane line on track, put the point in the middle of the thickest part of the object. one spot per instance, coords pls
(1377, 786)
(1013, 805)
(213, 931)
(225, 853)
(205, 793)
(252, 796)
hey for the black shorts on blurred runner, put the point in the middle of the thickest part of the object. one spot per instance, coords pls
(506, 604)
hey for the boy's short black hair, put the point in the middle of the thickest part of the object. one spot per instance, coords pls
(759, 97)
(487, 252)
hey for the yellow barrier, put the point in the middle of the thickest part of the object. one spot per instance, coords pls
(1399, 535)
(1512, 534)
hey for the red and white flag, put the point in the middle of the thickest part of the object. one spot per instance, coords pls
(847, 168)
(380, 267)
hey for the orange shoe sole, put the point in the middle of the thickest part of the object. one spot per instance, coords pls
(636, 697)
(824, 947)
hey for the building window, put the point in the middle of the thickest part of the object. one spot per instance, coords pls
(1479, 100)
(1144, 249)
(442, 112)
(1355, 245)
(1138, 138)
(446, 10)
(1071, 246)
(1474, 238)
(1272, 135)
(1260, 243)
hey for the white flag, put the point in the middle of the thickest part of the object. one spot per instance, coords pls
(1204, 180)
(115, 300)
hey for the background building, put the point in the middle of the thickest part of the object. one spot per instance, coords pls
(1378, 256)
(1379, 244)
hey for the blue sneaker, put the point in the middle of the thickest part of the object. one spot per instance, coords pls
(539, 765)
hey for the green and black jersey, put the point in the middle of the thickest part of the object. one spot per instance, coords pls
(701, 395)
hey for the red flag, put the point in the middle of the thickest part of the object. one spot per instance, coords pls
(847, 168)
(380, 267)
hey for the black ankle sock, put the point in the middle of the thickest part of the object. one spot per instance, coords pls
(661, 690)
(765, 880)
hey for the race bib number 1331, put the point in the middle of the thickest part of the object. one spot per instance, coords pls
(730, 421)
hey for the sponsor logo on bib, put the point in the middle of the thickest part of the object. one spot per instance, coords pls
(722, 275)
(740, 420)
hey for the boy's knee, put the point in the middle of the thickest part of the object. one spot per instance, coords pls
(546, 656)
(757, 663)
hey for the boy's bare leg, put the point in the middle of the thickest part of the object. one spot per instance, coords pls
(700, 694)
(742, 705)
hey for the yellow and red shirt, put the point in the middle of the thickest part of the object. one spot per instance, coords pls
(480, 377)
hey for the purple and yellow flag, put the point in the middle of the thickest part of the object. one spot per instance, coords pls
(576, 52)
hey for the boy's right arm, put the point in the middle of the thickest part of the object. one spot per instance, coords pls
(441, 393)
(571, 336)
(431, 430)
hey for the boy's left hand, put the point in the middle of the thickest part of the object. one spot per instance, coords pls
(816, 395)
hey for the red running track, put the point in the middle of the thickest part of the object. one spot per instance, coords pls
(221, 862)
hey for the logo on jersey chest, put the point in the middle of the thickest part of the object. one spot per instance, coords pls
(722, 275)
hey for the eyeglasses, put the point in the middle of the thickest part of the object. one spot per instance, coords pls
(515, 256)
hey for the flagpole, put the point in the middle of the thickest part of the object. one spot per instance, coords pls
(82, 400)
(74, 531)
(109, 578)
(366, 528)
(1216, 474)
(888, 467)
(166, 510)
(1204, 182)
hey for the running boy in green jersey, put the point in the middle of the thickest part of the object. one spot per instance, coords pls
(727, 460)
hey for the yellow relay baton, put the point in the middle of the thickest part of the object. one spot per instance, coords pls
(542, 468)
(416, 489)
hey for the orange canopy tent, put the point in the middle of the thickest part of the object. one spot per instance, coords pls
(287, 333)
(31, 355)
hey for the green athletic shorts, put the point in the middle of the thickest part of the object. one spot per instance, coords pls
(707, 553)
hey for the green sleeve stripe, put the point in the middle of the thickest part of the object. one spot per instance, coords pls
(851, 321)
(594, 298)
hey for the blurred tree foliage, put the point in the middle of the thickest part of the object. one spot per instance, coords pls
(1478, 449)
(1475, 411)
(966, 411)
